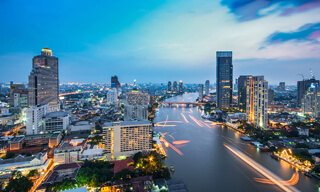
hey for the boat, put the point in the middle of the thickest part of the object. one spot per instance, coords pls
(308, 174)
(171, 168)
(246, 138)
(274, 156)
(264, 149)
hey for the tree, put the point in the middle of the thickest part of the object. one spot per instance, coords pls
(32, 173)
(22, 184)
(9, 155)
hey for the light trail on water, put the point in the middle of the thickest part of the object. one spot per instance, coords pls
(271, 176)
(185, 119)
(195, 120)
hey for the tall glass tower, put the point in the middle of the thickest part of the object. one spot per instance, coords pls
(224, 79)
(44, 79)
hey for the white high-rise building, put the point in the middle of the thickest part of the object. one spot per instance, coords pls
(135, 112)
(126, 138)
(112, 97)
(310, 101)
(257, 101)
(35, 124)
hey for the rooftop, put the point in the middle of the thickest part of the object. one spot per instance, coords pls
(124, 123)
(57, 114)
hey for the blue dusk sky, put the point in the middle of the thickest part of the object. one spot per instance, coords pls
(159, 40)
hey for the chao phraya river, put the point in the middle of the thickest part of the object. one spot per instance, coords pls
(208, 157)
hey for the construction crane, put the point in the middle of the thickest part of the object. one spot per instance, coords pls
(312, 76)
(302, 76)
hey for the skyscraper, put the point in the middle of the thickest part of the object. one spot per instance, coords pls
(207, 87)
(282, 86)
(257, 101)
(310, 101)
(169, 86)
(224, 79)
(180, 87)
(200, 92)
(44, 79)
(270, 96)
(303, 87)
(115, 82)
(242, 92)
(175, 87)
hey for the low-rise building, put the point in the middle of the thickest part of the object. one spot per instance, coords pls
(92, 153)
(70, 151)
(55, 139)
(79, 126)
(24, 164)
(17, 142)
(56, 121)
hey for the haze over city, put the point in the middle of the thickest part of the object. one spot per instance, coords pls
(160, 40)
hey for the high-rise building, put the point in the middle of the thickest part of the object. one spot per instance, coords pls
(270, 96)
(35, 124)
(257, 101)
(115, 82)
(282, 86)
(135, 112)
(242, 92)
(14, 88)
(303, 86)
(112, 96)
(44, 79)
(137, 98)
(224, 79)
(169, 86)
(126, 138)
(310, 101)
(180, 87)
(200, 88)
(175, 87)
(207, 87)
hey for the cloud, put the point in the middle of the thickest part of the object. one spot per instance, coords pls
(247, 10)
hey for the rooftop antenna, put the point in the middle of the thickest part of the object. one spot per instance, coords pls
(312, 76)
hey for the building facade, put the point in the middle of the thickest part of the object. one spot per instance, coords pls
(175, 87)
(14, 88)
(169, 86)
(44, 79)
(257, 101)
(135, 112)
(126, 138)
(180, 87)
(207, 87)
(242, 92)
(303, 87)
(56, 121)
(310, 102)
(224, 79)
(35, 124)
(20, 99)
(200, 88)
(112, 96)
(137, 98)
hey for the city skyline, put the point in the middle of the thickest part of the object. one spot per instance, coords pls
(276, 39)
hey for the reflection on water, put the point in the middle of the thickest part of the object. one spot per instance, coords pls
(195, 148)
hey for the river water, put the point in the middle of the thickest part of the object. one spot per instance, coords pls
(199, 156)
